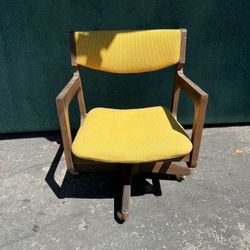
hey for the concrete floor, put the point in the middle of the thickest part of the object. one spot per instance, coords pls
(43, 207)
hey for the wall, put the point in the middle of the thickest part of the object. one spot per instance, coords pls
(35, 64)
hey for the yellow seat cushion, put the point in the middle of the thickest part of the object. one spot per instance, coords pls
(130, 136)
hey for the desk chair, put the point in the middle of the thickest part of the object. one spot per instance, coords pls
(131, 140)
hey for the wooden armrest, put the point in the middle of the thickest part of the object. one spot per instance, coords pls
(189, 87)
(63, 100)
(199, 99)
(69, 91)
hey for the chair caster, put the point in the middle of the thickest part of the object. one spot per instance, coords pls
(122, 215)
(181, 177)
(72, 172)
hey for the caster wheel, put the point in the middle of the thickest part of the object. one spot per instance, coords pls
(73, 172)
(122, 215)
(181, 177)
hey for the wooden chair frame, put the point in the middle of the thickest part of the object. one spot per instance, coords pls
(170, 166)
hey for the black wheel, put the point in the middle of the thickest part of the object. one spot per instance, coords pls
(122, 215)
(181, 177)
(74, 173)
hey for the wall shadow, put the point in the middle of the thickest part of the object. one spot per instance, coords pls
(50, 135)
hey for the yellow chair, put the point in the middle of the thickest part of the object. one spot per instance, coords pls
(132, 140)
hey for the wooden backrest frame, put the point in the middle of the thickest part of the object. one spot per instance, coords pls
(183, 49)
(179, 65)
(144, 50)
(72, 43)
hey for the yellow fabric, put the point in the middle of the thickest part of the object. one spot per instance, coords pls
(130, 136)
(128, 51)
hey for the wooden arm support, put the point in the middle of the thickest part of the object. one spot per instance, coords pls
(63, 100)
(199, 99)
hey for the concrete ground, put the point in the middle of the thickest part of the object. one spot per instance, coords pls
(43, 207)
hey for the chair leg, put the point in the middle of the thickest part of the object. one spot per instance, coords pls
(126, 196)
(180, 170)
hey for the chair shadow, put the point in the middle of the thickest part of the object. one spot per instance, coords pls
(100, 185)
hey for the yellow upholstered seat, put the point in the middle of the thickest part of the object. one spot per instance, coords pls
(130, 136)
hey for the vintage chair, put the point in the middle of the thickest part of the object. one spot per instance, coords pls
(132, 140)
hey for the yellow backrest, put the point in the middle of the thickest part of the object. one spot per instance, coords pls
(128, 51)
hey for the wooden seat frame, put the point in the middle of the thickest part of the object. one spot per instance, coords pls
(170, 166)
